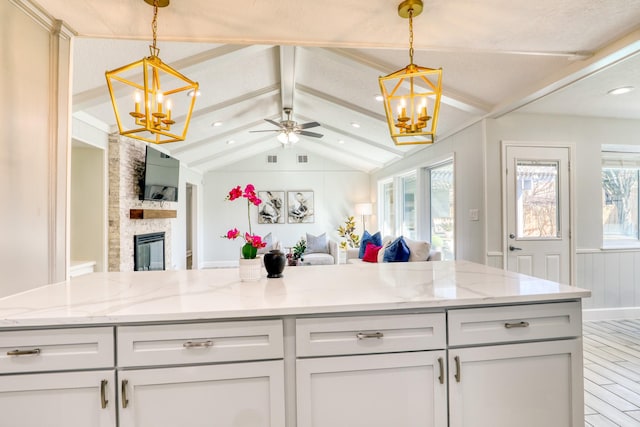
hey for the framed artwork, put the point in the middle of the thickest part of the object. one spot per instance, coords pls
(300, 207)
(272, 209)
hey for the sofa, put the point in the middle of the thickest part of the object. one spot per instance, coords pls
(418, 250)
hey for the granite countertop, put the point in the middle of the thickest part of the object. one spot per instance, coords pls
(119, 298)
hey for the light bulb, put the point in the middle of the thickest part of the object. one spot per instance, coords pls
(283, 138)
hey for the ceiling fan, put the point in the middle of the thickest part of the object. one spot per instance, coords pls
(289, 130)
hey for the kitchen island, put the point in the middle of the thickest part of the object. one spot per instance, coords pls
(402, 344)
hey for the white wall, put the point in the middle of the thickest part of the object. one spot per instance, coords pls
(34, 101)
(179, 225)
(467, 147)
(336, 191)
(607, 273)
(87, 209)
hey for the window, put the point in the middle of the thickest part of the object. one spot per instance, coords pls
(620, 203)
(408, 209)
(442, 209)
(388, 214)
(537, 199)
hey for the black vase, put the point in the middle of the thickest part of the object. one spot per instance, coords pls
(274, 262)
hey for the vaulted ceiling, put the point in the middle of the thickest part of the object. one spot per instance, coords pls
(323, 59)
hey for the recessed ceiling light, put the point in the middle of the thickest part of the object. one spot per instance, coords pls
(379, 98)
(231, 141)
(193, 93)
(621, 90)
(216, 124)
(355, 125)
(341, 141)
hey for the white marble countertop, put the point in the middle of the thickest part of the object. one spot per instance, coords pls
(117, 298)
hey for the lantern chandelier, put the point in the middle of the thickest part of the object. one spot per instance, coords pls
(412, 93)
(152, 101)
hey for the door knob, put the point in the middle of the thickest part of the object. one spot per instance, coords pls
(513, 248)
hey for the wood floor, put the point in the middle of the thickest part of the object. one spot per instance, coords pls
(612, 373)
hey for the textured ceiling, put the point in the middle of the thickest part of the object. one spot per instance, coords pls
(323, 59)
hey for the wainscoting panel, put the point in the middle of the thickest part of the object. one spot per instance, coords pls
(613, 276)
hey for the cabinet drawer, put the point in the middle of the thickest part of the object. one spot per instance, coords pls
(369, 334)
(56, 349)
(514, 323)
(199, 343)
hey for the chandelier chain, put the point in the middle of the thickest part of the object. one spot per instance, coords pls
(154, 26)
(411, 36)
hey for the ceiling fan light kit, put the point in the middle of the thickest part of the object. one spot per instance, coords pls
(148, 96)
(412, 95)
(289, 129)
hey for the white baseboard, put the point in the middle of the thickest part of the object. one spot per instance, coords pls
(611, 313)
(219, 264)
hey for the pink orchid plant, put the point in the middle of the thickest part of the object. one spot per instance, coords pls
(252, 241)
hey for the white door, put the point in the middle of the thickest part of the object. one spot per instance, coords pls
(236, 394)
(66, 399)
(537, 210)
(382, 390)
(524, 385)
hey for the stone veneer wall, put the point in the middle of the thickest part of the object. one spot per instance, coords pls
(126, 165)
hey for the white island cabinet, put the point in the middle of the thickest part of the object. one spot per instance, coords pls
(419, 344)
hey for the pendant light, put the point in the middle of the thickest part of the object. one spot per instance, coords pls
(152, 101)
(412, 95)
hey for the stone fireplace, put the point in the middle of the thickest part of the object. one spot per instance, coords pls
(126, 164)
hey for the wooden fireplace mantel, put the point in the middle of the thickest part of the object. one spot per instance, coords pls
(152, 213)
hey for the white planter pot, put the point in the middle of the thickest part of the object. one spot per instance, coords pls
(250, 269)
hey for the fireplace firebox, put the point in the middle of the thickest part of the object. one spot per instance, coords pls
(148, 251)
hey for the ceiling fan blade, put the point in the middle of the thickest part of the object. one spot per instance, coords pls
(269, 130)
(313, 134)
(309, 125)
(273, 122)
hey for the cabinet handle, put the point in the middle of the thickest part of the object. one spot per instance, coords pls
(516, 325)
(367, 335)
(441, 376)
(198, 344)
(457, 374)
(23, 352)
(123, 392)
(103, 394)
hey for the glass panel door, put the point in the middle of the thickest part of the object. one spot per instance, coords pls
(442, 198)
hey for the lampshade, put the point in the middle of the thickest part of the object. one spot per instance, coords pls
(412, 94)
(152, 101)
(363, 209)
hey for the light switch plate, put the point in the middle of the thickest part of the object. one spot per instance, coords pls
(473, 214)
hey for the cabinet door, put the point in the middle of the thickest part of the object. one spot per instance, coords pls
(58, 400)
(399, 390)
(238, 394)
(524, 385)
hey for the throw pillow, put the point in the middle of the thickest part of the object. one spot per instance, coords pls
(376, 239)
(418, 249)
(397, 251)
(317, 244)
(268, 239)
(371, 253)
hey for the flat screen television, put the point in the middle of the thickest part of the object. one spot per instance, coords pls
(160, 178)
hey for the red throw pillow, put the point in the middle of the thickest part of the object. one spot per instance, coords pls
(371, 253)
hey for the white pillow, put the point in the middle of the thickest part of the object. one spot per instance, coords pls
(418, 249)
(317, 244)
(268, 239)
(386, 241)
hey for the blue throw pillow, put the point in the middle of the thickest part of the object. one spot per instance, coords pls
(376, 239)
(397, 251)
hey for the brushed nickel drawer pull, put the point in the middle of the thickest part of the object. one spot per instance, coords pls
(458, 373)
(123, 390)
(103, 394)
(198, 344)
(516, 325)
(367, 335)
(441, 376)
(23, 352)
